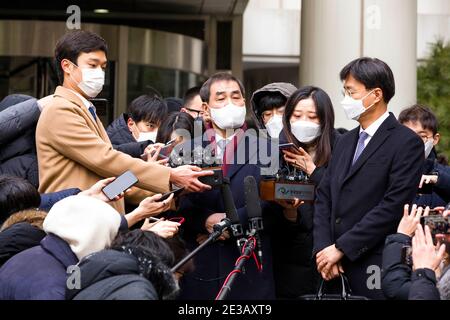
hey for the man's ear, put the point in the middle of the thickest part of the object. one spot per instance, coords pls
(130, 123)
(66, 66)
(205, 106)
(378, 94)
(436, 139)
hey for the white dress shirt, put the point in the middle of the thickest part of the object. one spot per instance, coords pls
(372, 129)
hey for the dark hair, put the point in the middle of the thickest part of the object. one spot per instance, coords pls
(175, 120)
(154, 258)
(342, 130)
(150, 108)
(72, 44)
(190, 95)
(422, 114)
(220, 76)
(16, 194)
(268, 101)
(325, 113)
(174, 104)
(372, 73)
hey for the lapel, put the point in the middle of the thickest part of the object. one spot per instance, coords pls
(242, 148)
(73, 98)
(347, 156)
(377, 140)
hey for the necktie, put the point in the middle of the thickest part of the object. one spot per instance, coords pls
(221, 149)
(92, 111)
(360, 147)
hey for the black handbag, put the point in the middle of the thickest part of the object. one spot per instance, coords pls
(346, 293)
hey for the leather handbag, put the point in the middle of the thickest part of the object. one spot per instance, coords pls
(346, 293)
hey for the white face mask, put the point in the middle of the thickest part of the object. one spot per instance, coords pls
(354, 108)
(305, 131)
(428, 147)
(229, 116)
(275, 125)
(92, 81)
(144, 136)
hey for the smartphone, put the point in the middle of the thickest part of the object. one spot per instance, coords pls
(123, 182)
(288, 146)
(407, 255)
(427, 188)
(437, 224)
(214, 180)
(174, 192)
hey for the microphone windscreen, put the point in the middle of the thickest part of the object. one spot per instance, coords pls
(252, 199)
(228, 202)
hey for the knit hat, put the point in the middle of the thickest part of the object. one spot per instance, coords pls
(87, 224)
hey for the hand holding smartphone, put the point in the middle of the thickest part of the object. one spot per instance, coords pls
(123, 182)
(288, 146)
(175, 193)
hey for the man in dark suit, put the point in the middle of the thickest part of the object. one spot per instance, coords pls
(227, 138)
(374, 170)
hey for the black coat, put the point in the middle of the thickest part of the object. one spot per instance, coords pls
(295, 269)
(122, 139)
(396, 276)
(112, 275)
(17, 238)
(216, 261)
(398, 280)
(358, 206)
(17, 140)
(423, 285)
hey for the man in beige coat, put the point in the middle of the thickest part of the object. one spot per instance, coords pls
(72, 145)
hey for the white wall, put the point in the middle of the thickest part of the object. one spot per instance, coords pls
(272, 27)
(433, 22)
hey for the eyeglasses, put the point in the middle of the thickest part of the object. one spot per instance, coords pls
(199, 113)
(425, 138)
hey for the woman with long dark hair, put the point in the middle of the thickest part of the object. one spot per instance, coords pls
(308, 123)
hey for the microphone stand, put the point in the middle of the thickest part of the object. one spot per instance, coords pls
(249, 248)
(217, 231)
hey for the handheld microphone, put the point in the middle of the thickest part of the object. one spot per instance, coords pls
(254, 212)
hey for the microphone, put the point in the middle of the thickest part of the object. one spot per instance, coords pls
(220, 227)
(254, 212)
(230, 209)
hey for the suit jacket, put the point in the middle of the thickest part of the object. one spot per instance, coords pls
(358, 206)
(215, 261)
(74, 151)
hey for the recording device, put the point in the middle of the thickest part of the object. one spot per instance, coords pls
(120, 184)
(175, 193)
(214, 180)
(407, 255)
(437, 224)
(254, 211)
(188, 153)
(427, 188)
(287, 184)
